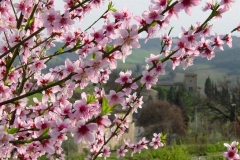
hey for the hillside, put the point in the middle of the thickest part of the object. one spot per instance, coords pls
(225, 62)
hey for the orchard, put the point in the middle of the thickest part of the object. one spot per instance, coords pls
(29, 28)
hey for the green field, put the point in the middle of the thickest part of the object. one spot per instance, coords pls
(30, 98)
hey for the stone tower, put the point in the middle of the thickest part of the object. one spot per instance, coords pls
(190, 82)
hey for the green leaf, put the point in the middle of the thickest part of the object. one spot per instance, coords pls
(31, 21)
(45, 136)
(163, 138)
(161, 43)
(5, 129)
(45, 131)
(60, 49)
(108, 48)
(110, 5)
(37, 36)
(91, 98)
(93, 55)
(105, 107)
(13, 130)
(78, 43)
(169, 1)
(192, 27)
(153, 24)
(113, 9)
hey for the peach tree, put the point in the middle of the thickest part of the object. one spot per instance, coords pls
(29, 28)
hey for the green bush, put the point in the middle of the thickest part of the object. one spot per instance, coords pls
(177, 152)
(213, 148)
(205, 149)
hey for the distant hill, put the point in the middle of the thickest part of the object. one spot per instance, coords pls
(226, 62)
(153, 46)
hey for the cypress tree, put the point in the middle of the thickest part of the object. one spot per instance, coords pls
(208, 88)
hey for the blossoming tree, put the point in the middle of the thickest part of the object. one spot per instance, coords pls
(29, 28)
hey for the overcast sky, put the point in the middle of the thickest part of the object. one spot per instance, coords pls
(223, 26)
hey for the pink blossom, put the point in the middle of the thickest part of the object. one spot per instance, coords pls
(50, 19)
(231, 154)
(42, 122)
(123, 15)
(187, 61)
(97, 65)
(4, 137)
(21, 7)
(109, 27)
(124, 78)
(151, 32)
(115, 98)
(209, 53)
(128, 143)
(50, 92)
(152, 15)
(5, 8)
(129, 88)
(227, 4)
(112, 59)
(70, 66)
(82, 109)
(47, 146)
(208, 6)
(15, 37)
(106, 152)
(45, 79)
(208, 49)
(153, 58)
(128, 38)
(218, 42)
(187, 5)
(4, 90)
(121, 152)
(156, 141)
(232, 146)
(134, 102)
(88, 158)
(30, 30)
(138, 104)
(159, 68)
(84, 132)
(140, 20)
(148, 78)
(62, 126)
(38, 65)
(167, 41)
(97, 35)
(159, 3)
(173, 12)
(175, 62)
(103, 122)
(228, 40)
(181, 46)
(65, 21)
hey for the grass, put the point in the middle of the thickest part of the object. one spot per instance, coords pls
(167, 153)
(138, 57)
